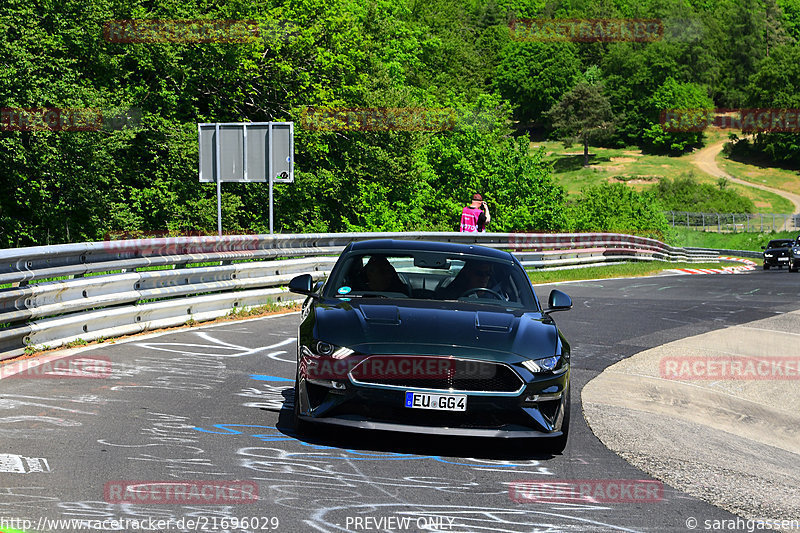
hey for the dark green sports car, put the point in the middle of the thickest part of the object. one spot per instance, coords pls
(431, 337)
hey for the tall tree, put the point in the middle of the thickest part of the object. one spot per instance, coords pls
(775, 33)
(689, 103)
(534, 75)
(583, 114)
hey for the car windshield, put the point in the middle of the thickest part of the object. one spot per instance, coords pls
(779, 244)
(431, 276)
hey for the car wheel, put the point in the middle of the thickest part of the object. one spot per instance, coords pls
(766, 266)
(792, 267)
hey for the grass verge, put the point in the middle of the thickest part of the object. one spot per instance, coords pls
(728, 241)
(756, 172)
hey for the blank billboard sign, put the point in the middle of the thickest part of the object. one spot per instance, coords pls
(243, 151)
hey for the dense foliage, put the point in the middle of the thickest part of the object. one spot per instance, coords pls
(616, 208)
(686, 194)
(72, 186)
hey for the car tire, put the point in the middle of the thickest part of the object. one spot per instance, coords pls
(766, 266)
(792, 268)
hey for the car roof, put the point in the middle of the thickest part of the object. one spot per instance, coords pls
(781, 241)
(391, 245)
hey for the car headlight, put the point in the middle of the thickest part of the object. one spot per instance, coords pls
(767, 255)
(542, 365)
(326, 349)
(324, 365)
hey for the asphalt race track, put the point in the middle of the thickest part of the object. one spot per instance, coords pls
(214, 404)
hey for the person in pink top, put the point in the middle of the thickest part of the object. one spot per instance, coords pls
(475, 216)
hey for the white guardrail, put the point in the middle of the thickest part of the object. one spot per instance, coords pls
(111, 288)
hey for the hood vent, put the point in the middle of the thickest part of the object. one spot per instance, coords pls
(381, 314)
(485, 321)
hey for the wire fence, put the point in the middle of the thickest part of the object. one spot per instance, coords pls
(734, 222)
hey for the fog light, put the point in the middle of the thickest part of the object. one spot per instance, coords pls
(328, 383)
(545, 395)
(324, 348)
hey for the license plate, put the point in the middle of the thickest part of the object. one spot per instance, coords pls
(783, 259)
(439, 402)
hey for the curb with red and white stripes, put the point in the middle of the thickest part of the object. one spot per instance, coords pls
(748, 265)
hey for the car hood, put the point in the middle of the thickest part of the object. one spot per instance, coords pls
(436, 328)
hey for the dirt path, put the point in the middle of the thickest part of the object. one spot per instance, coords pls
(706, 161)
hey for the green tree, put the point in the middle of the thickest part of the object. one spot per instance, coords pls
(534, 75)
(775, 33)
(687, 100)
(582, 114)
(776, 84)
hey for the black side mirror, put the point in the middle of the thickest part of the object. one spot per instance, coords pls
(558, 301)
(763, 247)
(302, 284)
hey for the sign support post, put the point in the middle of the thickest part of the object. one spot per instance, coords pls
(271, 201)
(219, 180)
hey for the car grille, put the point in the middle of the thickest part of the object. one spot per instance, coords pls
(462, 375)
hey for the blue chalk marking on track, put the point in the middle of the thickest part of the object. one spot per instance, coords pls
(261, 377)
(272, 434)
(227, 429)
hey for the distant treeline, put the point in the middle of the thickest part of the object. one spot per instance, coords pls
(81, 184)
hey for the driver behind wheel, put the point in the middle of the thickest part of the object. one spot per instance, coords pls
(474, 275)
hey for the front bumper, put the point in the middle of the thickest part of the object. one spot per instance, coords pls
(505, 432)
(537, 411)
(777, 261)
